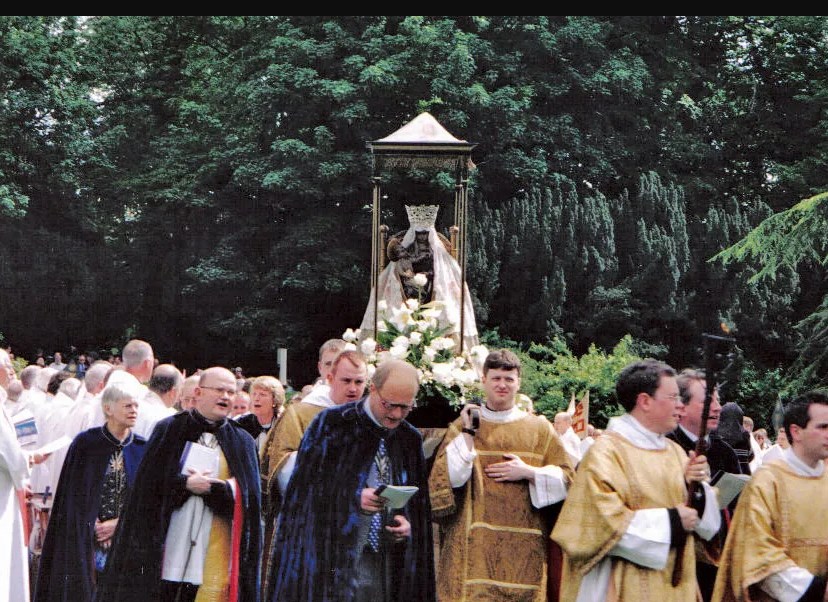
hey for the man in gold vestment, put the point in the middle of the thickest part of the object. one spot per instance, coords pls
(626, 516)
(777, 548)
(489, 487)
(346, 379)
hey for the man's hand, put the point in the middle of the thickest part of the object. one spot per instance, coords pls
(513, 469)
(37, 458)
(199, 482)
(401, 529)
(697, 470)
(689, 517)
(370, 502)
(105, 530)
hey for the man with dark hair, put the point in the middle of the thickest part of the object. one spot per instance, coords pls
(776, 548)
(165, 387)
(721, 457)
(490, 486)
(335, 539)
(626, 517)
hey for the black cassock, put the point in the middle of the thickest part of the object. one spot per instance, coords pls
(67, 565)
(315, 548)
(133, 571)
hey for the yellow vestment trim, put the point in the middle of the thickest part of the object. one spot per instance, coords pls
(527, 530)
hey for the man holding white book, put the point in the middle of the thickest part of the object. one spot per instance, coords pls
(190, 529)
(336, 538)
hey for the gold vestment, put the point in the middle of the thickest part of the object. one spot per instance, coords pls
(779, 523)
(494, 541)
(615, 479)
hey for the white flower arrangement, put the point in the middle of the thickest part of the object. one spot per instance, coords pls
(410, 332)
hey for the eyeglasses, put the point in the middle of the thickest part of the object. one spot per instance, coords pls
(405, 408)
(674, 397)
(220, 390)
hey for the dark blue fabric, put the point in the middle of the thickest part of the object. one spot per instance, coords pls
(133, 571)
(315, 549)
(67, 565)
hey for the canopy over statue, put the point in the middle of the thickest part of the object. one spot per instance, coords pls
(422, 143)
(422, 250)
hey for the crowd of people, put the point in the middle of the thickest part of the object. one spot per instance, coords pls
(212, 487)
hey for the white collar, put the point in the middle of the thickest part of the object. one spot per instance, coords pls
(799, 466)
(319, 396)
(634, 432)
(511, 415)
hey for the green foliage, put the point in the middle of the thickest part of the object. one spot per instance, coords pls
(551, 374)
(204, 179)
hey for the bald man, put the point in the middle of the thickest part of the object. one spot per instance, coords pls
(191, 532)
(366, 551)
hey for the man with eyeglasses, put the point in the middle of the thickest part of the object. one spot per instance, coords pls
(721, 457)
(336, 539)
(491, 487)
(627, 515)
(188, 532)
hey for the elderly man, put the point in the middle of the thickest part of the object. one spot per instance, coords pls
(335, 539)
(626, 517)
(720, 456)
(489, 486)
(194, 534)
(139, 361)
(776, 549)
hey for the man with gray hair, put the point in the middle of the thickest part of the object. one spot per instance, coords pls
(30, 397)
(367, 550)
(88, 411)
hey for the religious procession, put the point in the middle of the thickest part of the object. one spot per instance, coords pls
(412, 441)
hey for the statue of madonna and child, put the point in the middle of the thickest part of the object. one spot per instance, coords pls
(422, 267)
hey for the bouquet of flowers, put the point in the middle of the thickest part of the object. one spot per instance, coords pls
(413, 332)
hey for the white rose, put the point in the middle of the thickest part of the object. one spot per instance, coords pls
(349, 347)
(368, 346)
(349, 335)
(398, 352)
(419, 280)
(430, 353)
(382, 305)
(416, 338)
(412, 304)
(401, 341)
(442, 373)
(423, 325)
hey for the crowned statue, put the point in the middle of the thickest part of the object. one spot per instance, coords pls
(421, 267)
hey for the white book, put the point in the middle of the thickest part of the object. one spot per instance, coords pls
(25, 427)
(55, 445)
(200, 458)
(397, 495)
(730, 485)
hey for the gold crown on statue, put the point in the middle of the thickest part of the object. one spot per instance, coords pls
(422, 217)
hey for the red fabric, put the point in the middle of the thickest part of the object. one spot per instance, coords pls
(24, 511)
(554, 569)
(235, 545)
